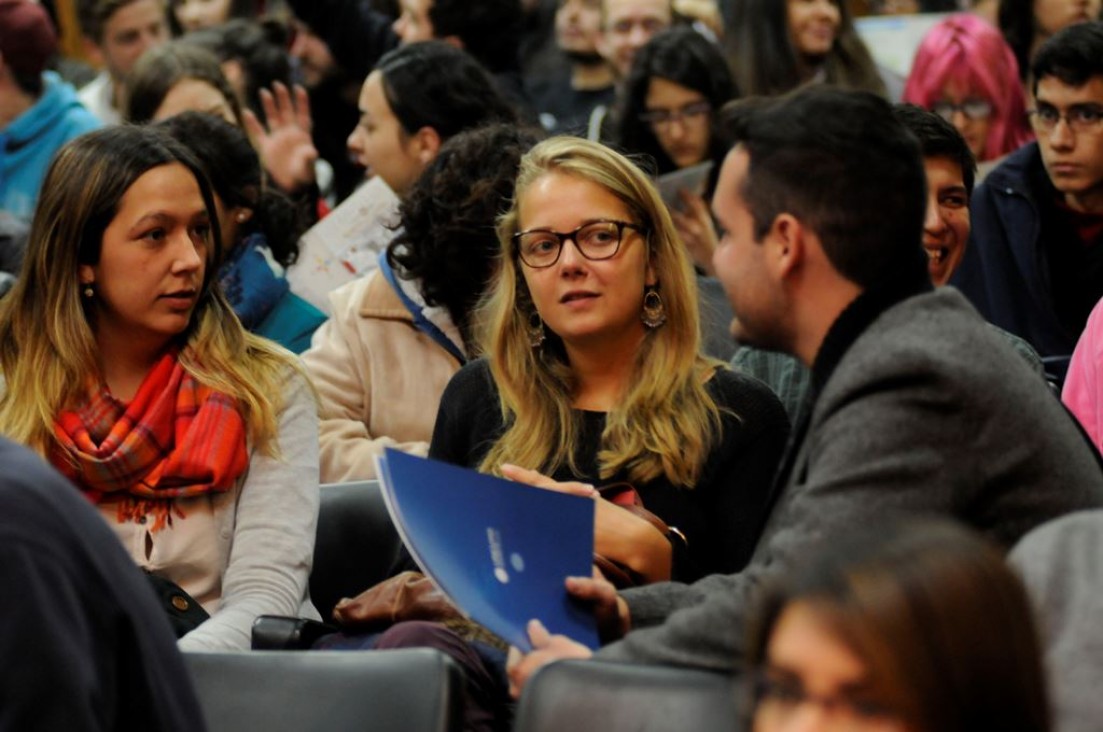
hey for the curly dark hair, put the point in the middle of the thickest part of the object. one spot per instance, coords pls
(236, 175)
(448, 243)
(685, 57)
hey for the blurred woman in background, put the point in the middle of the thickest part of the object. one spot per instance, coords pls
(777, 45)
(668, 111)
(417, 97)
(1026, 24)
(965, 72)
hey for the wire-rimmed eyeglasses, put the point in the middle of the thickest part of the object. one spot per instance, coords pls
(971, 108)
(595, 240)
(661, 118)
(778, 700)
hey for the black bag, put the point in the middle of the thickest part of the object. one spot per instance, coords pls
(184, 612)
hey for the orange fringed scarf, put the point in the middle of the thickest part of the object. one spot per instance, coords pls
(177, 438)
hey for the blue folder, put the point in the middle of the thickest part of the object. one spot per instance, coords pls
(499, 550)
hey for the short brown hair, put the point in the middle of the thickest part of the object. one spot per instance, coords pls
(94, 15)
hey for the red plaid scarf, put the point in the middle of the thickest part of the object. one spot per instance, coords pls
(177, 438)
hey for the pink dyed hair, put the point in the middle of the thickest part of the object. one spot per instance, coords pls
(967, 49)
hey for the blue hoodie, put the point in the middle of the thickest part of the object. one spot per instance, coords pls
(28, 144)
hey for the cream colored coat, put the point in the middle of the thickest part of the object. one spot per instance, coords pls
(378, 377)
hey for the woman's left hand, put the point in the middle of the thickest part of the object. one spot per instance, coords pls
(619, 535)
(695, 227)
(539, 480)
(285, 145)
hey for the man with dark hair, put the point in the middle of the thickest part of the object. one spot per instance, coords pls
(1035, 264)
(950, 169)
(38, 111)
(84, 642)
(917, 408)
(116, 34)
(950, 172)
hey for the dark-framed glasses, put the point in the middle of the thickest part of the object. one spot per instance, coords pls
(660, 118)
(1079, 117)
(972, 109)
(595, 240)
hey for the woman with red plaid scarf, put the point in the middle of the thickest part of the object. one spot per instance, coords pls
(125, 367)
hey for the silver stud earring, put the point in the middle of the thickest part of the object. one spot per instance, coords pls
(87, 291)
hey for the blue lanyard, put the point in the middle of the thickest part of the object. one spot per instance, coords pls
(420, 321)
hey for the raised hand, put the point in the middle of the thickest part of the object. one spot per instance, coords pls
(285, 144)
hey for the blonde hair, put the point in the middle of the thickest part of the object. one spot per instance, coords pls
(667, 423)
(48, 351)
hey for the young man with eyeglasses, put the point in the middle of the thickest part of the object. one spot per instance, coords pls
(1035, 262)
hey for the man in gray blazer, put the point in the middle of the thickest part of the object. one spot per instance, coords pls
(918, 407)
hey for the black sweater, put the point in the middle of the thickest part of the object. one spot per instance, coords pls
(720, 516)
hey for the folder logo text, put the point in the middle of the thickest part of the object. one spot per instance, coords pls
(498, 557)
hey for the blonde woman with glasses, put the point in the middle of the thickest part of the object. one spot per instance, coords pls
(593, 377)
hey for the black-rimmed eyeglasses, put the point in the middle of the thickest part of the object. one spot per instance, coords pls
(595, 240)
(1085, 118)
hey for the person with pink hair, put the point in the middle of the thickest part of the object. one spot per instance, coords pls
(966, 73)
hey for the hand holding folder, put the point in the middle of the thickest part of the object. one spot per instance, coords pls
(500, 550)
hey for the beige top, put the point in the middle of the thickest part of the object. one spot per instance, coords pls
(379, 378)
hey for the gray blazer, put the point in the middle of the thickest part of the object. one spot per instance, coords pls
(928, 412)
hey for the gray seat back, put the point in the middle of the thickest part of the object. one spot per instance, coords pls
(592, 696)
(418, 690)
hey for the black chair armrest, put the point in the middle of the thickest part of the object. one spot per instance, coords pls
(585, 696)
(356, 547)
(279, 633)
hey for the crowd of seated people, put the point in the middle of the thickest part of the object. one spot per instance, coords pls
(915, 340)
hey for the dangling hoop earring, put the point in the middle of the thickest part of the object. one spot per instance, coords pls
(535, 330)
(653, 313)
